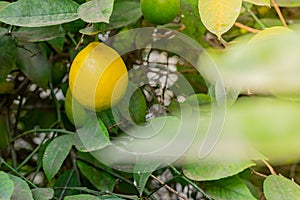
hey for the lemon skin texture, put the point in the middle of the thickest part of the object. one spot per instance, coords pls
(75, 112)
(98, 77)
(160, 11)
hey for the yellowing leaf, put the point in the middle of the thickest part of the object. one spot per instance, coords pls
(218, 16)
(259, 2)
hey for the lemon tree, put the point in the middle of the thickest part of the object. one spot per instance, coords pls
(83, 82)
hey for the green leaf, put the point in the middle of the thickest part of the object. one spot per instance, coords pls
(109, 120)
(190, 18)
(92, 136)
(218, 16)
(125, 12)
(228, 188)
(35, 13)
(3, 4)
(42, 193)
(142, 172)
(96, 11)
(3, 31)
(138, 107)
(91, 197)
(259, 2)
(33, 62)
(100, 179)
(6, 186)
(8, 55)
(21, 189)
(278, 187)
(207, 169)
(66, 179)
(55, 154)
(81, 197)
(37, 34)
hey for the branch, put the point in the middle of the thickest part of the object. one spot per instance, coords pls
(168, 187)
(247, 28)
(279, 13)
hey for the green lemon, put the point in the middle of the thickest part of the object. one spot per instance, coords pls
(75, 112)
(160, 11)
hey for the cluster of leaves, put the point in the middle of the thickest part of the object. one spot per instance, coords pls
(38, 41)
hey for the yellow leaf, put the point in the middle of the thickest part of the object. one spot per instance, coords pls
(218, 16)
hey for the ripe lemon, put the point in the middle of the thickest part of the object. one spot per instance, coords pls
(75, 112)
(98, 77)
(160, 11)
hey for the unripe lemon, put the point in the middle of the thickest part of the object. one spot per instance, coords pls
(160, 11)
(98, 77)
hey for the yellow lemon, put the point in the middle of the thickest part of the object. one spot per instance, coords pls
(98, 77)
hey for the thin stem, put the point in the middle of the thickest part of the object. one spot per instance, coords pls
(168, 187)
(66, 185)
(57, 105)
(191, 183)
(17, 173)
(279, 13)
(262, 25)
(29, 157)
(42, 131)
(257, 173)
(247, 28)
(269, 167)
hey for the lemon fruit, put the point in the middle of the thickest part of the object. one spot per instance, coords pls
(160, 11)
(98, 77)
(75, 112)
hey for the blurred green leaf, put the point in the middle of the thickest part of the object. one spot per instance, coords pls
(100, 179)
(21, 189)
(8, 55)
(92, 136)
(55, 154)
(206, 169)
(288, 3)
(6, 186)
(228, 188)
(125, 12)
(32, 60)
(37, 34)
(35, 13)
(57, 43)
(96, 11)
(42, 193)
(279, 187)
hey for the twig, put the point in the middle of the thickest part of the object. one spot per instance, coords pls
(247, 28)
(257, 173)
(279, 13)
(168, 187)
(269, 167)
